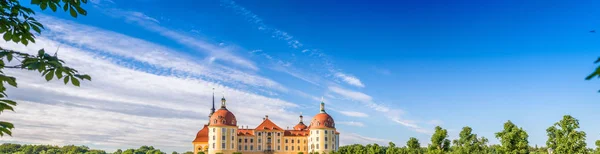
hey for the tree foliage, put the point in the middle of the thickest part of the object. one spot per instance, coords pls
(439, 141)
(468, 143)
(563, 136)
(595, 73)
(18, 25)
(513, 139)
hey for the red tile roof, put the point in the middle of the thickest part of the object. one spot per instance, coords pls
(296, 133)
(202, 135)
(245, 132)
(223, 117)
(322, 120)
(268, 125)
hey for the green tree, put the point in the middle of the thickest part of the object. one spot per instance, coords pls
(563, 137)
(392, 149)
(374, 149)
(513, 139)
(413, 146)
(119, 151)
(439, 141)
(597, 147)
(18, 25)
(468, 143)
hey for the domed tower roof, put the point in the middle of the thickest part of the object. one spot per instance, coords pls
(300, 125)
(202, 135)
(223, 117)
(322, 119)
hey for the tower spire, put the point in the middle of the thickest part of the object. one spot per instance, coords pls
(301, 121)
(212, 110)
(322, 105)
(223, 101)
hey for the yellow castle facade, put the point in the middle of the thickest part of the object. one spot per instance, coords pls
(223, 135)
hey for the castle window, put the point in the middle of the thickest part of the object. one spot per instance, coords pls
(259, 140)
(223, 146)
(269, 134)
(245, 140)
(232, 146)
(332, 132)
(232, 131)
(292, 148)
(232, 137)
(286, 141)
(214, 128)
(286, 148)
(325, 146)
(278, 141)
(252, 147)
(298, 148)
(214, 122)
(259, 147)
(268, 140)
(317, 132)
(317, 146)
(317, 140)
(223, 137)
(224, 130)
(251, 140)
(259, 134)
(239, 140)
(325, 132)
(239, 147)
(245, 147)
(214, 138)
(223, 122)
(278, 134)
(325, 138)
(298, 142)
(279, 147)
(292, 141)
(213, 145)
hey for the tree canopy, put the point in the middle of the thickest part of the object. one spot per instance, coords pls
(563, 136)
(513, 139)
(439, 141)
(468, 143)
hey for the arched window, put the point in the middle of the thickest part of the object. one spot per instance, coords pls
(215, 121)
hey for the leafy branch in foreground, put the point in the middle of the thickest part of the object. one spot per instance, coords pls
(18, 25)
(596, 72)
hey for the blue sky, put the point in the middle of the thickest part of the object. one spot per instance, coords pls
(387, 70)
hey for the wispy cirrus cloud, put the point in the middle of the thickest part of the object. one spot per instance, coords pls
(354, 114)
(324, 61)
(142, 93)
(359, 139)
(351, 123)
(349, 79)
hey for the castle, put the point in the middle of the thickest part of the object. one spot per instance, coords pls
(222, 135)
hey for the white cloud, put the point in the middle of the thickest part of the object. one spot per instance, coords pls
(131, 101)
(354, 114)
(353, 138)
(155, 55)
(351, 123)
(220, 52)
(352, 80)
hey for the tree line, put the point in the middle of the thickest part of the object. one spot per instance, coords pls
(563, 138)
(10, 148)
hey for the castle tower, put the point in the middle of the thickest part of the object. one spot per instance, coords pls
(323, 136)
(222, 131)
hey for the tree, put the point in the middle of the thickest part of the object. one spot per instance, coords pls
(468, 143)
(413, 146)
(17, 25)
(564, 138)
(439, 141)
(513, 139)
(392, 149)
(597, 151)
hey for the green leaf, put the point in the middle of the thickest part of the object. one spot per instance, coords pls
(66, 80)
(75, 81)
(12, 81)
(7, 36)
(35, 1)
(66, 7)
(41, 52)
(58, 73)
(53, 7)
(16, 38)
(9, 57)
(43, 6)
(24, 41)
(4, 106)
(73, 13)
(597, 61)
(10, 102)
(50, 75)
(81, 11)
(6, 124)
(36, 28)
